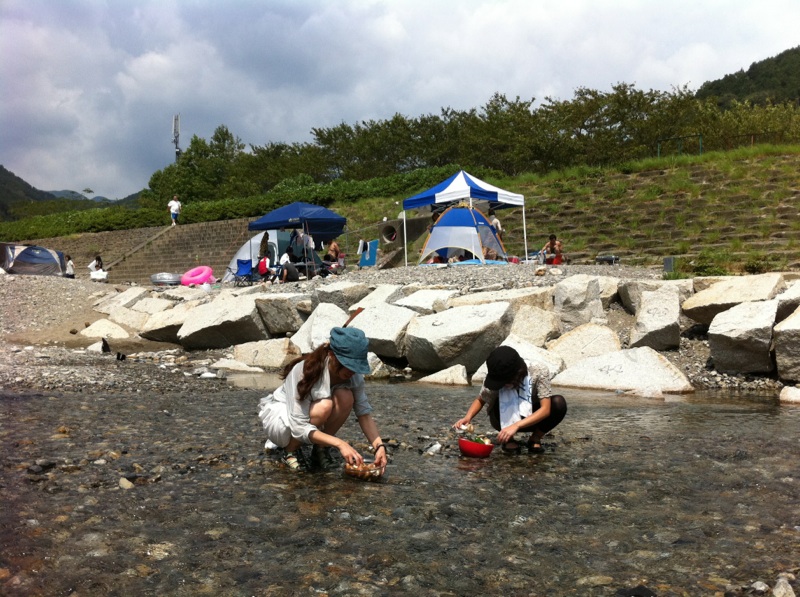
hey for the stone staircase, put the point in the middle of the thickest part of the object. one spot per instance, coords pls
(177, 249)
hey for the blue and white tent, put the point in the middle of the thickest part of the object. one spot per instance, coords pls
(462, 229)
(463, 187)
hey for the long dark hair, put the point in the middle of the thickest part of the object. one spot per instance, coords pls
(313, 366)
(521, 373)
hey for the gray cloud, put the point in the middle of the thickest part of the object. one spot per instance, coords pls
(90, 87)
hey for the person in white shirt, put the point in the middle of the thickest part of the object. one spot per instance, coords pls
(519, 399)
(174, 209)
(96, 265)
(496, 224)
(319, 392)
(70, 270)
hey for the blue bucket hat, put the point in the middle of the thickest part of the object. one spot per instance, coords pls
(350, 347)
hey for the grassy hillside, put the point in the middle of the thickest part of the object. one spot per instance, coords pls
(720, 212)
(725, 211)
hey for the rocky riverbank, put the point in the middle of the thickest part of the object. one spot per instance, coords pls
(41, 314)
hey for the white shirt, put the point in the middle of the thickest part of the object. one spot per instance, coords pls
(283, 415)
(174, 206)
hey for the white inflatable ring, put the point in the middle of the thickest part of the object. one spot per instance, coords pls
(198, 275)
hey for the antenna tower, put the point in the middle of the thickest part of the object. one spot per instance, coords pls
(176, 135)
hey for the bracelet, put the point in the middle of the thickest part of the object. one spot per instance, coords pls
(378, 447)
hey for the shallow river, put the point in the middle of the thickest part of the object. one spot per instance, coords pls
(684, 496)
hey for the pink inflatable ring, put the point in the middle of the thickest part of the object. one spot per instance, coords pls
(198, 275)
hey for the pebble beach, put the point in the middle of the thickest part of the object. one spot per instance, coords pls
(142, 476)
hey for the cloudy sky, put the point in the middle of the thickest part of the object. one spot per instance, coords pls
(90, 87)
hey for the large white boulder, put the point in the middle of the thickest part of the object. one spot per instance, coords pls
(164, 326)
(385, 328)
(587, 340)
(703, 306)
(151, 305)
(540, 297)
(658, 319)
(185, 293)
(640, 371)
(530, 353)
(452, 376)
(787, 347)
(316, 330)
(740, 338)
(342, 293)
(266, 354)
(458, 336)
(630, 291)
(128, 298)
(223, 323)
(536, 325)
(280, 312)
(609, 290)
(427, 300)
(788, 300)
(134, 320)
(382, 294)
(577, 300)
(103, 328)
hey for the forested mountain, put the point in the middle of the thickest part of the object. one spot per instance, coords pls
(773, 80)
(20, 200)
(14, 190)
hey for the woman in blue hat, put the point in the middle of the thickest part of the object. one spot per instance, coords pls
(319, 391)
(518, 398)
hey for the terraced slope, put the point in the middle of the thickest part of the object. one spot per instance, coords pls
(735, 211)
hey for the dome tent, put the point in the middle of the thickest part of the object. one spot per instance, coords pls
(31, 260)
(462, 186)
(463, 228)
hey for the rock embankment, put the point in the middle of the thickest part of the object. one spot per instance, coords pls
(43, 349)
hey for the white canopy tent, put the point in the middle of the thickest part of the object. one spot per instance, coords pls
(465, 187)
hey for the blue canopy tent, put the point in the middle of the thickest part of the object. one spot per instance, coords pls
(319, 222)
(465, 187)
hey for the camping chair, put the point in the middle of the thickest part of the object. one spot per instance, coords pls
(243, 276)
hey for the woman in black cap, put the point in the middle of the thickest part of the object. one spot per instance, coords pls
(519, 399)
(319, 391)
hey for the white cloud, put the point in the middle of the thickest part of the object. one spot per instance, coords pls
(90, 88)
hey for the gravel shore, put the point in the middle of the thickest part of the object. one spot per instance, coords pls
(41, 316)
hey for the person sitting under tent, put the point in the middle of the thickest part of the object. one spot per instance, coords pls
(289, 273)
(264, 270)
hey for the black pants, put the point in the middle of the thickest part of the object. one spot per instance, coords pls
(558, 410)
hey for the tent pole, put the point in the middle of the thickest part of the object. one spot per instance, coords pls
(405, 239)
(524, 230)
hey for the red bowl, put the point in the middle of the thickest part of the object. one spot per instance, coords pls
(474, 449)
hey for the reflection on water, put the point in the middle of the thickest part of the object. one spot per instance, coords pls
(685, 495)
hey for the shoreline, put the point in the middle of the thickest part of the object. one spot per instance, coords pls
(41, 315)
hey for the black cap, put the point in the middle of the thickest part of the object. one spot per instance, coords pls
(503, 366)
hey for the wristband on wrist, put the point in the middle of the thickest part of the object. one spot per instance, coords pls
(378, 447)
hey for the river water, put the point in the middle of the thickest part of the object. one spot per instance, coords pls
(690, 495)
